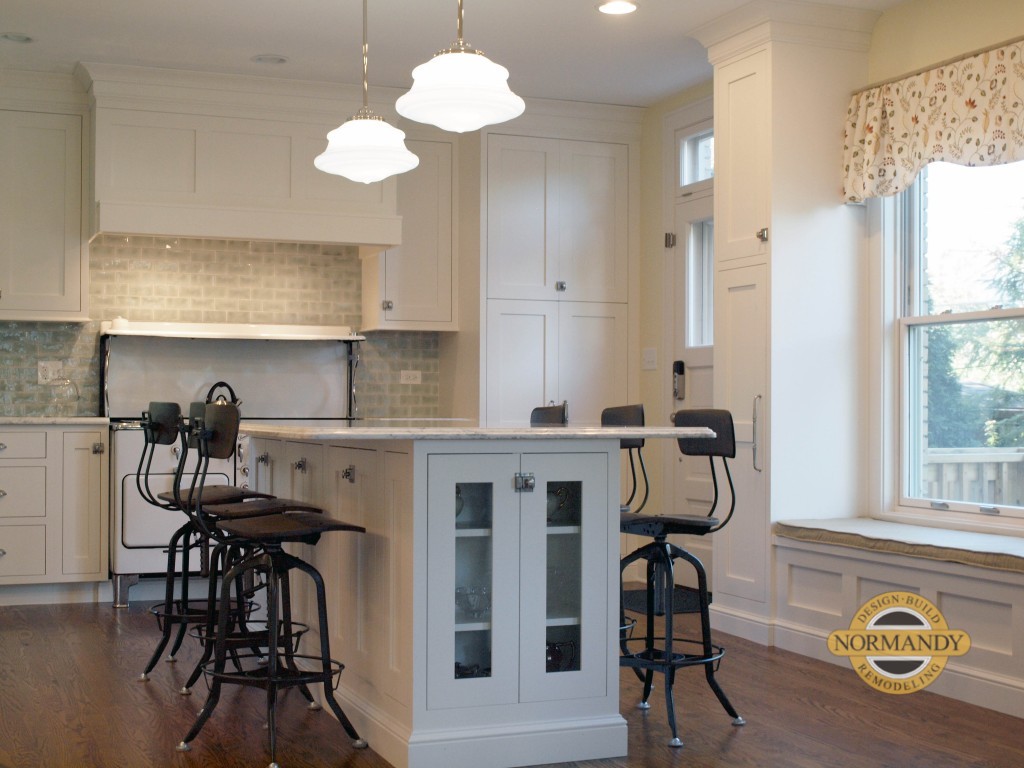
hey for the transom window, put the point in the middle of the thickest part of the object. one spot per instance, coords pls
(962, 339)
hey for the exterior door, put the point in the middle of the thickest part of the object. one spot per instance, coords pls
(693, 339)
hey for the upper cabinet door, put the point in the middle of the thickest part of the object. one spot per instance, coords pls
(410, 287)
(522, 217)
(742, 141)
(557, 219)
(593, 194)
(41, 257)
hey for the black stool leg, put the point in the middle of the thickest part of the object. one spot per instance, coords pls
(172, 549)
(220, 654)
(325, 652)
(705, 626)
(665, 582)
(186, 566)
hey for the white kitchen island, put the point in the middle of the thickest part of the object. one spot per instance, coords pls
(477, 616)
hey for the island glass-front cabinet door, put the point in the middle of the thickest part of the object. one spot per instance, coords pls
(517, 579)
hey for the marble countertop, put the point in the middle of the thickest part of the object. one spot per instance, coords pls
(447, 429)
(11, 421)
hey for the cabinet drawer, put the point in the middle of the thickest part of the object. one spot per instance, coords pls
(22, 550)
(22, 445)
(22, 492)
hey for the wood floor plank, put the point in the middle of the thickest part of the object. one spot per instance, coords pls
(70, 698)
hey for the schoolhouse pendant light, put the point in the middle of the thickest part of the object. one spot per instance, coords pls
(460, 90)
(365, 148)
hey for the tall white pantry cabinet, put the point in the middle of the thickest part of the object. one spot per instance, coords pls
(786, 292)
(556, 236)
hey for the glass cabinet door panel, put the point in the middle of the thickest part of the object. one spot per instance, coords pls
(564, 534)
(472, 580)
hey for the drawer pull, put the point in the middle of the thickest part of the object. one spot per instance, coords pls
(3, 446)
(3, 552)
(2, 493)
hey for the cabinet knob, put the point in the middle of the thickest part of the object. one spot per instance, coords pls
(349, 473)
(300, 465)
(560, 286)
(3, 446)
(3, 552)
(2, 493)
(387, 305)
(762, 234)
(263, 458)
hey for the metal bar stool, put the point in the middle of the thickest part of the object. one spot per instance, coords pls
(162, 425)
(667, 653)
(279, 668)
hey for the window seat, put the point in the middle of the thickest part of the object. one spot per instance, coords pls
(985, 550)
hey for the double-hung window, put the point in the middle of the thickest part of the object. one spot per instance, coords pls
(961, 340)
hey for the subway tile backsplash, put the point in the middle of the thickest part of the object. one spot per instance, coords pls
(216, 281)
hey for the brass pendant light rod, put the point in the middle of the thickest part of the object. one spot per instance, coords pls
(366, 61)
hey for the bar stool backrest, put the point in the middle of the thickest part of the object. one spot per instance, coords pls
(723, 446)
(630, 416)
(161, 424)
(549, 415)
(220, 430)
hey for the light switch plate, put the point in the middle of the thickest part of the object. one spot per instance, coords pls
(649, 359)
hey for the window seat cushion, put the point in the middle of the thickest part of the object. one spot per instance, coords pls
(986, 550)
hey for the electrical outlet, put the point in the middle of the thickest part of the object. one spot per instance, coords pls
(410, 377)
(49, 370)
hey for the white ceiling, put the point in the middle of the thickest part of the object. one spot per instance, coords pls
(561, 49)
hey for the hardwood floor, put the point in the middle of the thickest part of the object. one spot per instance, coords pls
(69, 699)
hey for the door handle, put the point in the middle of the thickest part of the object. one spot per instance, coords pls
(679, 380)
(753, 454)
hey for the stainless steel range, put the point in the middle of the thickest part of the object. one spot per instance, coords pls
(277, 371)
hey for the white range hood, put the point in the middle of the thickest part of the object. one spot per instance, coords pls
(186, 154)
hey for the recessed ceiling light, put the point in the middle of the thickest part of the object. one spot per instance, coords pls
(269, 58)
(617, 7)
(16, 37)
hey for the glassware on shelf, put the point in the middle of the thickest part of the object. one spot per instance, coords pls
(473, 601)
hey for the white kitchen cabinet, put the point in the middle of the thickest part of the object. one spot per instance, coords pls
(788, 293)
(53, 504)
(547, 351)
(410, 287)
(740, 559)
(557, 219)
(516, 605)
(288, 469)
(742, 157)
(43, 264)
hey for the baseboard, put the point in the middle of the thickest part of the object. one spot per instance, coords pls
(997, 692)
(749, 626)
(509, 746)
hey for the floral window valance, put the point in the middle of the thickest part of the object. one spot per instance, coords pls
(969, 112)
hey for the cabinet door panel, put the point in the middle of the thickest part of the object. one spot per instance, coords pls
(593, 191)
(82, 526)
(473, 541)
(592, 358)
(522, 359)
(418, 273)
(741, 370)
(40, 214)
(742, 140)
(522, 217)
(564, 619)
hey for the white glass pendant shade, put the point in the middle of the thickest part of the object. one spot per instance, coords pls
(460, 91)
(366, 149)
